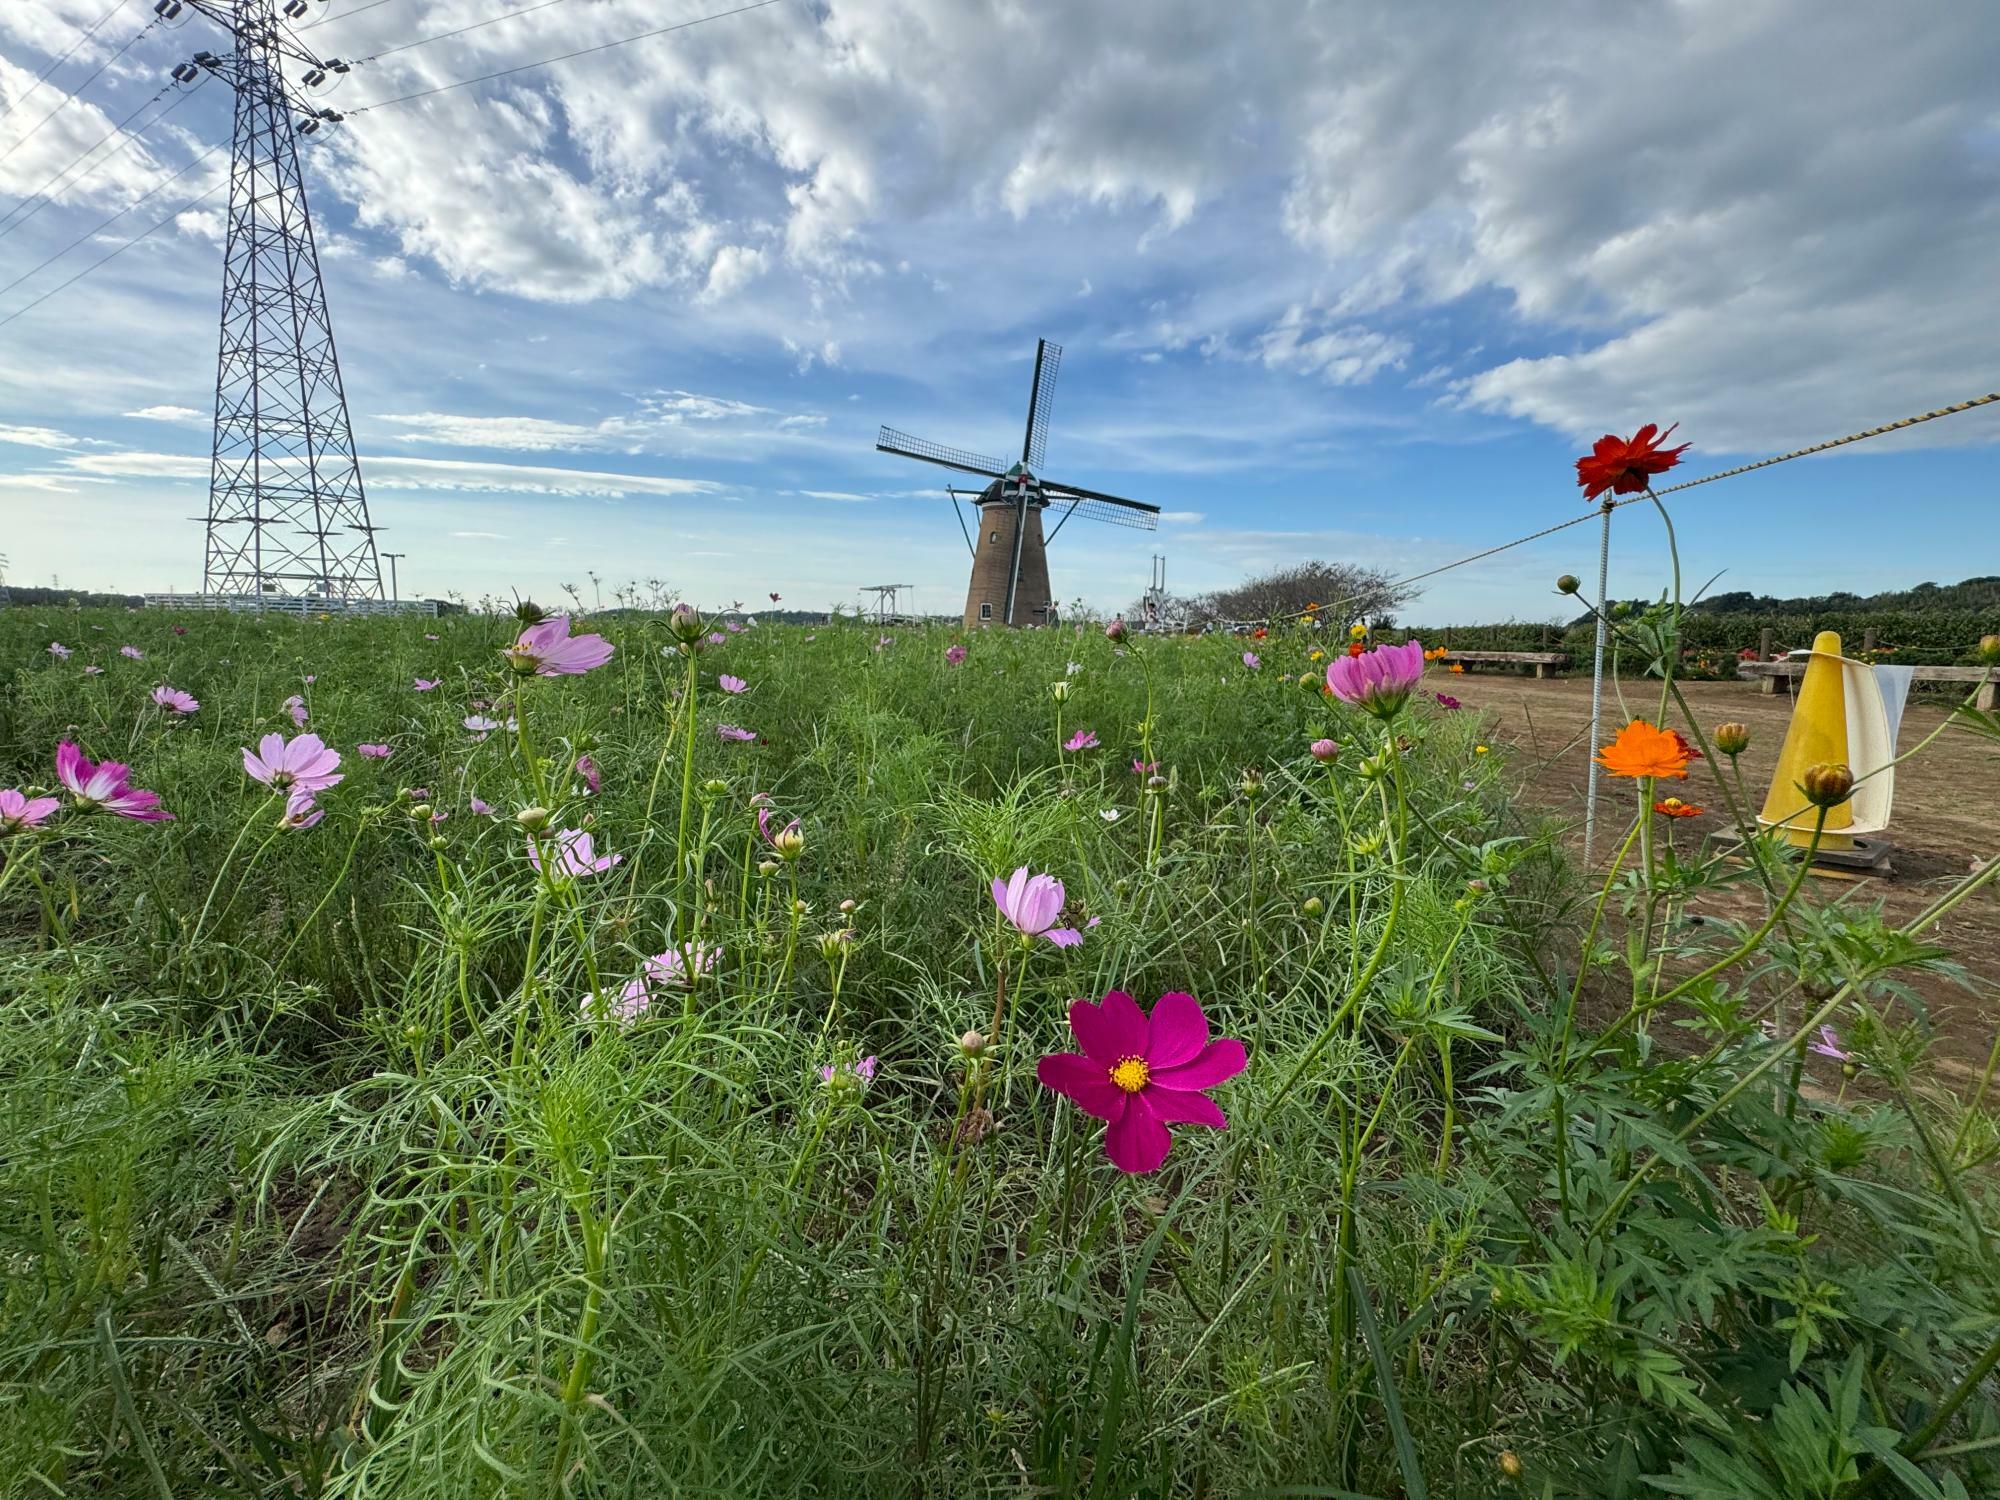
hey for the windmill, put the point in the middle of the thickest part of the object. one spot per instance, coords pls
(1010, 565)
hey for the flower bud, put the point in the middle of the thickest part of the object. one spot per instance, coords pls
(1311, 681)
(438, 841)
(788, 842)
(767, 867)
(1059, 691)
(1313, 906)
(1325, 750)
(1510, 1464)
(801, 907)
(1732, 738)
(849, 904)
(421, 811)
(1989, 650)
(1375, 767)
(972, 1044)
(1116, 630)
(1827, 785)
(1155, 785)
(715, 786)
(1569, 583)
(685, 623)
(534, 819)
(1252, 782)
(833, 944)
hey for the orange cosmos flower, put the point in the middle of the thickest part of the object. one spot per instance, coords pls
(1673, 807)
(1355, 648)
(1457, 667)
(1642, 750)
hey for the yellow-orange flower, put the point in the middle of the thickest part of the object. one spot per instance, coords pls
(1643, 750)
(1673, 807)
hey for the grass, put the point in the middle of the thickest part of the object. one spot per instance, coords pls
(319, 1174)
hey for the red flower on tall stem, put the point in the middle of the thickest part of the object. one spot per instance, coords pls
(1627, 466)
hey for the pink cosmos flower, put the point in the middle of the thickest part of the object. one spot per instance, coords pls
(306, 764)
(59, 651)
(20, 812)
(1145, 768)
(93, 671)
(572, 855)
(1378, 682)
(425, 684)
(1446, 701)
(715, 638)
(732, 627)
(131, 653)
(483, 809)
(1325, 750)
(180, 630)
(1033, 904)
(428, 636)
(787, 842)
(732, 684)
(1083, 739)
(677, 969)
(296, 707)
(1828, 1045)
(106, 787)
(480, 725)
(1250, 660)
(861, 1072)
(1141, 1075)
(174, 701)
(953, 655)
(374, 752)
(774, 598)
(301, 810)
(549, 650)
(734, 732)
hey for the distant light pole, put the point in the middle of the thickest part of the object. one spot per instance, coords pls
(392, 556)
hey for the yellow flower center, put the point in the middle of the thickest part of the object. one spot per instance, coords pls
(1131, 1074)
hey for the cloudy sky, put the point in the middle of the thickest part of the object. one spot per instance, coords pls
(1342, 280)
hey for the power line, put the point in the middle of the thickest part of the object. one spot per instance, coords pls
(329, 20)
(445, 88)
(94, 233)
(425, 41)
(42, 77)
(25, 210)
(146, 234)
(78, 90)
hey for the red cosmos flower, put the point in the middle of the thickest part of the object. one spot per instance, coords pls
(1625, 467)
(1687, 750)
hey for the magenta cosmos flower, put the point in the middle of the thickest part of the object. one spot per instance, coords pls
(304, 764)
(572, 854)
(1378, 682)
(174, 701)
(1141, 1075)
(736, 732)
(592, 777)
(1033, 904)
(549, 650)
(953, 655)
(1083, 739)
(106, 787)
(20, 812)
(425, 684)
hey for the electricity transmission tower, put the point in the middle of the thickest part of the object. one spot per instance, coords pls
(287, 514)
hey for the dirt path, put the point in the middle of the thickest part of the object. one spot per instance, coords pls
(1946, 818)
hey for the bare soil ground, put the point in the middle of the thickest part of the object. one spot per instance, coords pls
(1946, 818)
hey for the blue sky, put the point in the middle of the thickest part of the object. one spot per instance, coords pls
(1350, 282)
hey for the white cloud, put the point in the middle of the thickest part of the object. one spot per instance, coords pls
(1182, 517)
(400, 472)
(477, 536)
(1341, 356)
(37, 437)
(186, 415)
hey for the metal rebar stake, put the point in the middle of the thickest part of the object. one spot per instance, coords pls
(1597, 687)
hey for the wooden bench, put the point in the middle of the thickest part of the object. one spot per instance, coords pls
(1768, 674)
(1542, 661)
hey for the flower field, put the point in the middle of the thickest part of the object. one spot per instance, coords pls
(655, 1055)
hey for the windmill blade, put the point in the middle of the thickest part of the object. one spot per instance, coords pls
(1060, 490)
(1041, 401)
(889, 440)
(1109, 509)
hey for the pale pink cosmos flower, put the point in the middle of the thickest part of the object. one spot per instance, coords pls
(374, 752)
(1033, 904)
(20, 812)
(296, 707)
(572, 855)
(59, 651)
(592, 777)
(732, 684)
(174, 701)
(428, 636)
(732, 627)
(306, 763)
(1828, 1045)
(860, 1073)
(549, 650)
(131, 653)
(1378, 682)
(737, 733)
(953, 655)
(425, 684)
(1140, 1074)
(1250, 660)
(93, 671)
(715, 638)
(1083, 739)
(106, 787)
(483, 809)
(301, 810)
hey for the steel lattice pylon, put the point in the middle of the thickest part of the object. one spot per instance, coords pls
(287, 513)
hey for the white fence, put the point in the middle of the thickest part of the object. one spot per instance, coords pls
(292, 605)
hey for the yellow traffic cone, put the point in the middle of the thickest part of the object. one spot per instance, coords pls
(1838, 718)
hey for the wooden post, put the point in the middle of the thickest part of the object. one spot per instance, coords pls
(1764, 643)
(1868, 641)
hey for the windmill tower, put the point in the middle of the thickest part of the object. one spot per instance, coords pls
(287, 514)
(1010, 564)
